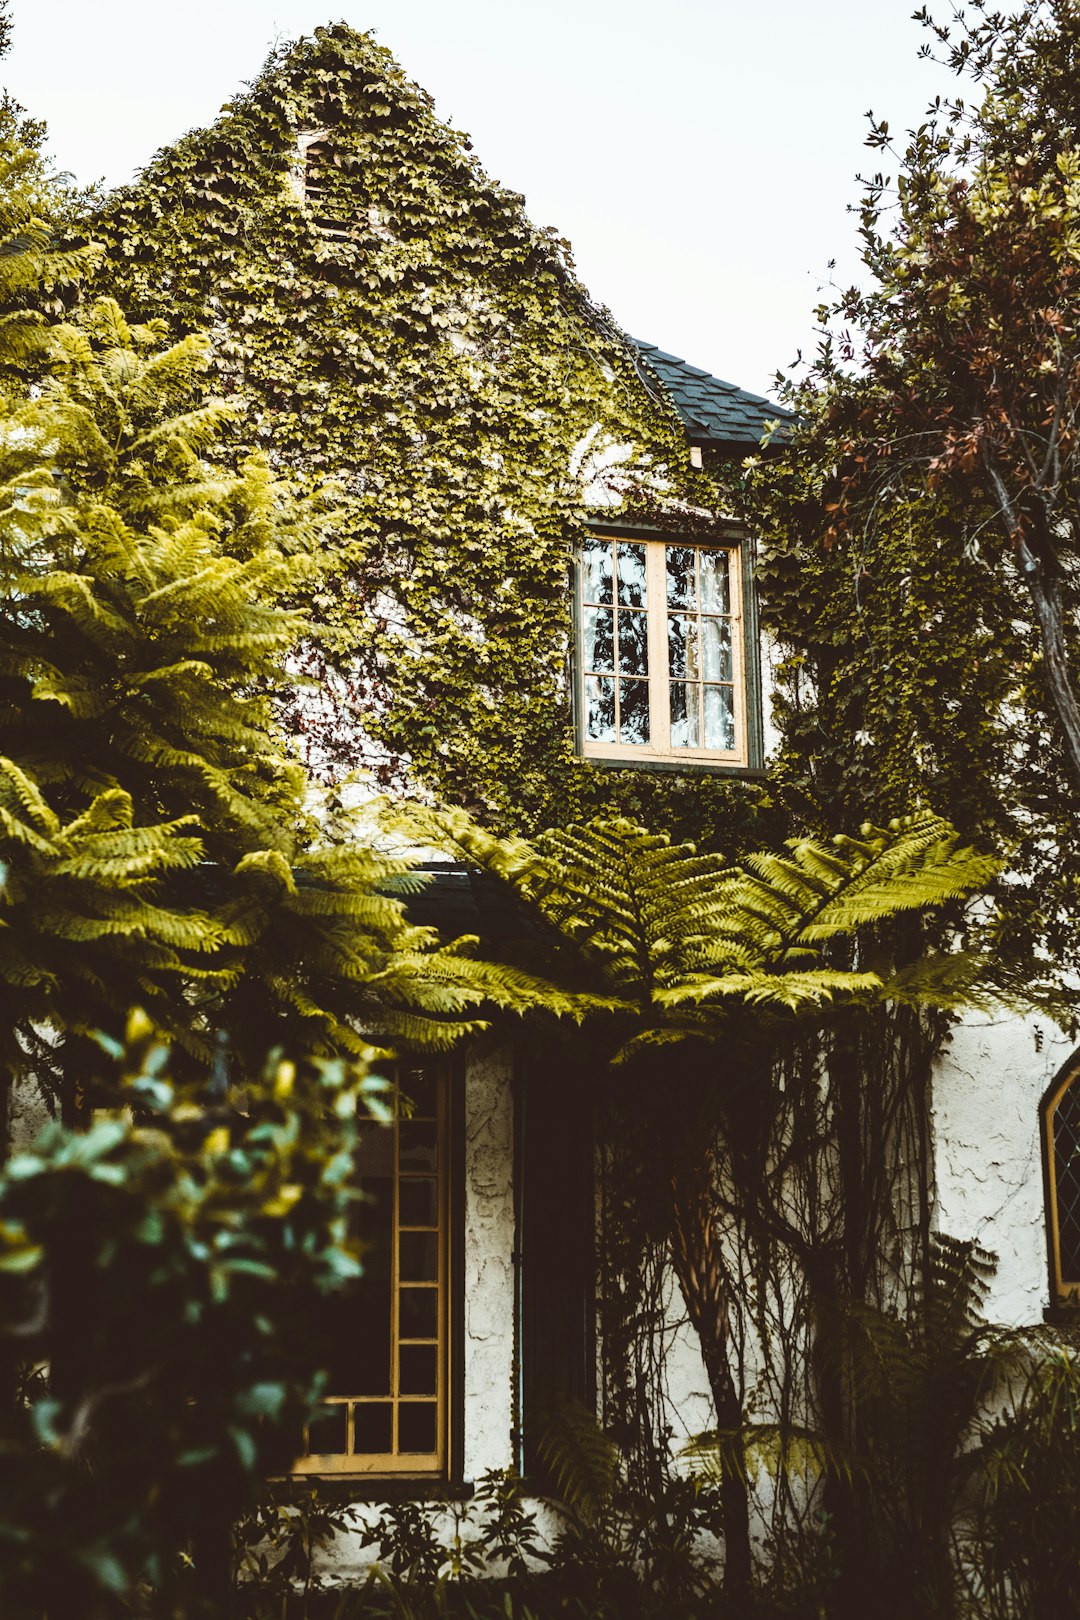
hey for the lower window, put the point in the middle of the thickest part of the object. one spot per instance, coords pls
(385, 1410)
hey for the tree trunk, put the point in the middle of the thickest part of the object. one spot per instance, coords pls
(695, 1251)
(1046, 599)
(1037, 559)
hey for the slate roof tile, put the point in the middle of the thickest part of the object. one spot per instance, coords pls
(714, 412)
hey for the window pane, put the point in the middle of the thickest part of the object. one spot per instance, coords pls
(416, 1426)
(716, 649)
(417, 1202)
(418, 1144)
(719, 717)
(359, 1329)
(373, 1429)
(419, 1313)
(596, 570)
(375, 1157)
(682, 645)
(419, 1088)
(715, 581)
(1067, 1174)
(600, 708)
(634, 643)
(327, 1431)
(418, 1257)
(419, 1369)
(681, 587)
(358, 1317)
(599, 638)
(631, 575)
(685, 715)
(634, 711)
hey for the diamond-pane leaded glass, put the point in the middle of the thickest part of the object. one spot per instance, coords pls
(1067, 1182)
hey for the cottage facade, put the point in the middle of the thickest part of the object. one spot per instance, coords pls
(557, 622)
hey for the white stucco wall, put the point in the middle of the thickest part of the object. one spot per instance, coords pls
(987, 1156)
(489, 1271)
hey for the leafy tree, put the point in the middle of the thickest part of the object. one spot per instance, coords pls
(969, 380)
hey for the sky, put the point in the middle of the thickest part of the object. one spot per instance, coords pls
(700, 155)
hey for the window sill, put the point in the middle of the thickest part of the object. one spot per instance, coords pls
(1063, 1316)
(679, 767)
(344, 1488)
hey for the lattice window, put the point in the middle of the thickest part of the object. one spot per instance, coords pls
(1061, 1147)
(385, 1410)
(661, 651)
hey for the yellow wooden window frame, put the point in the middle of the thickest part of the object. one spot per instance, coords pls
(1062, 1288)
(397, 1462)
(660, 747)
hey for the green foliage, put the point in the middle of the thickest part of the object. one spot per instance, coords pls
(1022, 1533)
(167, 1267)
(160, 842)
(583, 1460)
(685, 943)
(411, 334)
(920, 539)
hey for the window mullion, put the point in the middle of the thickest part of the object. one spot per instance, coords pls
(659, 701)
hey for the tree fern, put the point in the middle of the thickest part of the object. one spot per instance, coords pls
(162, 844)
(683, 942)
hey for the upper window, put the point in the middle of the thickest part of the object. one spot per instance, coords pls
(1061, 1154)
(385, 1409)
(662, 651)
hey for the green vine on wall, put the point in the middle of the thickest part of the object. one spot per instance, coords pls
(412, 337)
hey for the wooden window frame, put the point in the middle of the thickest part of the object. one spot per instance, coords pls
(421, 1466)
(1064, 1292)
(659, 752)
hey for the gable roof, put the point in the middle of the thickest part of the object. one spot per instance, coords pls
(716, 414)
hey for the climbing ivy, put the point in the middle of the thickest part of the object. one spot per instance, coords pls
(409, 334)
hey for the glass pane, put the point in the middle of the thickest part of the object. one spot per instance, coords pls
(326, 1433)
(358, 1332)
(600, 708)
(416, 1426)
(719, 717)
(685, 715)
(634, 711)
(373, 1429)
(716, 649)
(631, 575)
(375, 1156)
(598, 647)
(419, 1257)
(715, 581)
(1067, 1175)
(419, 1313)
(681, 588)
(357, 1319)
(418, 1144)
(682, 645)
(418, 1202)
(419, 1088)
(596, 570)
(418, 1369)
(634, 643)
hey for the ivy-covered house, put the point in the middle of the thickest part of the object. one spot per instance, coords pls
(540, 607)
